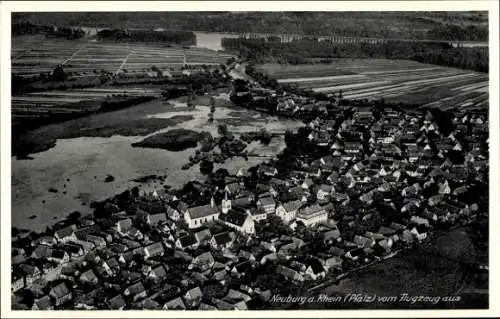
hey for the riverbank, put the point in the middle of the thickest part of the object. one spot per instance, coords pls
(87, 160)
(125, 122)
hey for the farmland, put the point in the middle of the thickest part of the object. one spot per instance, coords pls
(396, 81)
(32, 55)
(88, 68)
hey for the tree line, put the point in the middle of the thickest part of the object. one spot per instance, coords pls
(410, 25)
(123, 35)
(27, 28)
(311, 50)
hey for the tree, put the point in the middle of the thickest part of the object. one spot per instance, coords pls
(222, 130)
(206, 167)
(190, 99)
(58, 74)
(219, 177)
(74, 217)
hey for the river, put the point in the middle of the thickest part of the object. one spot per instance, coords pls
(77, 167)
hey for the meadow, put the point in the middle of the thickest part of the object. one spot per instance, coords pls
(397, 81)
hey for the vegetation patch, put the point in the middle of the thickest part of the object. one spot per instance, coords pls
(173, 140)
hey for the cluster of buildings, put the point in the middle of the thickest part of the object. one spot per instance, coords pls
(382, 180)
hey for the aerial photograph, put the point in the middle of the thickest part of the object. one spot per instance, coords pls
(249, 160)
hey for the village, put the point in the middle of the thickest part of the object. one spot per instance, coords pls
(355, 185)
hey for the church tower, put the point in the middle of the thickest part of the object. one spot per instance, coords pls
(226, 204)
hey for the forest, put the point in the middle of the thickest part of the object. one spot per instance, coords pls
(311, 50)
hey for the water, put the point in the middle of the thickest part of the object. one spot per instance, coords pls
(86, 161)
(211, 40)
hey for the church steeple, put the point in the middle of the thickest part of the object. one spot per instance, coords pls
(226, 203)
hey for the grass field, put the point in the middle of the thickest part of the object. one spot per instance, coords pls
(391, 80)
(32, 55)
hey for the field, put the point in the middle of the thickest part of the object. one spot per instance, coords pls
(393, 80)
(56, 101)
(35, 55)
(84, 60)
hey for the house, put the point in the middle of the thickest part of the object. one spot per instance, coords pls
(412, 190)
(267, 170)
(221, 240)
(353, 148)
(43, 303)
(136, 291)
(123, 226)
(66, 234)
(193, 296)
(240, 269)
(419, 220)
(60, 294)
(155, 219)
(98, 241)
(312, 215)
(204, 261)
(116, 303)
(364, 242)
(233, 189)
(288, 211)
(419, 232)
(298, 193)
(269, 257)
(112, 264)
(235, 295)
(386, 231)
(46, 240)
(324, 191)
(186, 241)
(174, 304)
(89, 277)
(158, 272)
(74, 249)
(384, 246)
(334, 262)
(17, 281)
(268, 246)
(59, 256)
(315, 270)
(331, 235)
(355, 254)
(258, 213)
(200, 215)
(240, 221)
(203, 235)
(31, 273)
(307, 183)
(228, 304)
(154, 250)
(289, 273)
(268, 204)
(173, 214)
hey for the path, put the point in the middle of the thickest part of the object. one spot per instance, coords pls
(124, 61)
(73, 55)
